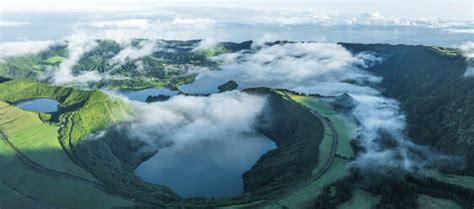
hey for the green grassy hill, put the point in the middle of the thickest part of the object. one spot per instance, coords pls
(36, 139)
(38, 163)
(26, 184)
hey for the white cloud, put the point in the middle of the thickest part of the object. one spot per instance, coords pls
(415, 8)
(175, 29)
(221, 24)
(129, 52)
(346, 19)
(4, 23)
(460, 30)
(323, 68)
(124, 33)
(195, 134)
(77, 45)
(185, 121)
(305, 67)
(8, 49)
(205, 44)
(467, 50)
(194, 21)
(127, 23)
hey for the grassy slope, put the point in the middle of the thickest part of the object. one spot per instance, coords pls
(55, 59)
(464, 181)
(86, 111)
(325, 146)
(37, 140)
(98, 112)
(16, 90)
(343, 125)
(302, 197)
(360, 200)
(130, 84)
(50, 189)
(428, 202)
(13, 199)
(25, 66)
(298, 135)
(81, 113)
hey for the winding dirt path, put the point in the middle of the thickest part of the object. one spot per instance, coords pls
(327, 165)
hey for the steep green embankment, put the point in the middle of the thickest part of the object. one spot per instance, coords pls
(435, 97)
(80, 114)
(297, 134)
(323, 174)
(87, 111)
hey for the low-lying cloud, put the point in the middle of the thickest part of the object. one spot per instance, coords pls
(360, 19)
(205, 44)
(126, 23)
(212, 137)
(131, 52)
(4, 23)
(184, 120)
(460, 30)
(175, 28)
(467, 50)
(304, 67)
(196, 135)
(16, 48)
(80, 43)
(124, 32)
(77, 45)
(331, 70)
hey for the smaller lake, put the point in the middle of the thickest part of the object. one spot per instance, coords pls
(141, 95)
(195, 89)
(208, 82)
(203, 86)
(39, 105)
(208, 168)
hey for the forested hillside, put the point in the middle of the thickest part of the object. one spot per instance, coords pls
(438, 100)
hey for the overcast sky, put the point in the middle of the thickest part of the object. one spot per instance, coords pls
(458, 9)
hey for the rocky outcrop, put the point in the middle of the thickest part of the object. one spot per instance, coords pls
(228, 86)
(158, 98)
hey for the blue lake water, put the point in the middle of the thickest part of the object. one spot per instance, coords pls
(196, 88)
(205, 168)
(141, 95)
(39, 105)
(206, 83)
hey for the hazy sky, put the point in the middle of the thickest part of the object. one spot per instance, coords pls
(435, 22)
(459, 9)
